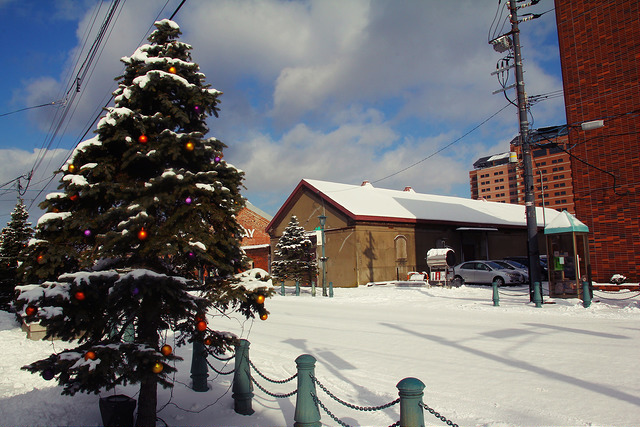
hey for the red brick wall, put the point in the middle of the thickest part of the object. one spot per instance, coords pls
(600, 55)
(255, 226)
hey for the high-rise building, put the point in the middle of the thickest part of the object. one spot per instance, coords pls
(501, 179)
(600, 56)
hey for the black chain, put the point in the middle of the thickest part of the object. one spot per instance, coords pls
(219, 372)
(269, 379)
(349, 405)
(277, 396)
(616, 299)
(336, 419)
(438, 416)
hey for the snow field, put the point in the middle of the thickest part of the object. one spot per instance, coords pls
(559, 365)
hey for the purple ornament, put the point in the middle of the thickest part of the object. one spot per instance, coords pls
(197, 109)
(188, 200)
(87, 232)
(191, 254)
(217, 159)
(47, 374)
(135, 291)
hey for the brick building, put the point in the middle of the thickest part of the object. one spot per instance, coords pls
(499, 178)
(255, 242)
(600, 56)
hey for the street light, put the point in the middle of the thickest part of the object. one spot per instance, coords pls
(323, 259)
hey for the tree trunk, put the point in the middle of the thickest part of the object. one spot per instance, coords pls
(148, 333)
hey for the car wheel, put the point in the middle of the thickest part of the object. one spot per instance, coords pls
(457, 281)
(499, 281)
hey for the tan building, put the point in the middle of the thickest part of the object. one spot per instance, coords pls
(499, 178)
(374, 234)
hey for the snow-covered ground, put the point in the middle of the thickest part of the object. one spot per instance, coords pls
(512, 365)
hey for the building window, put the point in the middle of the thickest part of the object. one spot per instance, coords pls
(401, 248)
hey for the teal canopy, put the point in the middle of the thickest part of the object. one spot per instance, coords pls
(565, 223)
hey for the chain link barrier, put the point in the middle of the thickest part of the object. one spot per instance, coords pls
(217, 371)
(349, 405)
(335, 418)
(277, 396)
(438, 416)
(614, 292)
(269, 379)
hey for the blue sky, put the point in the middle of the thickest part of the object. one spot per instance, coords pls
(343, 91)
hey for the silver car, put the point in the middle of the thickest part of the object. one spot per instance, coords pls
(484, 272)
(514, 267)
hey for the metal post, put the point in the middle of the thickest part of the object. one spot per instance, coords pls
(306, 412)
(529, 197)
(199, 369)
(242, 386)
(313, 288)
(323, 259)
(282, 288)
(496, 295)
(297, 288)
(537, 294)
(586, 295)
(410, 391)
(330, 289)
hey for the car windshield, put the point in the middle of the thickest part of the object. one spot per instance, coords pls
(516, 264)
(494, 265)
(504, 265)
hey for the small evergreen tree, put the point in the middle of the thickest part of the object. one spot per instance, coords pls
(13, 241)
(148, 205)
(295, 255)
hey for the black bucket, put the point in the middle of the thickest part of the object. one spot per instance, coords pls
(117, 410)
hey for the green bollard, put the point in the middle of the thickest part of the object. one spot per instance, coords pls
(306, 413)
(242, 386)
(496, 295)
(330, 289)
(411, 392)
(537, 295)
(297, 288)
(282, 288)
(199, 370)
(313, 288)
(586, 295)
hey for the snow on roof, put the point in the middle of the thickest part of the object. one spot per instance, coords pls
(369, 201)
(499, 156)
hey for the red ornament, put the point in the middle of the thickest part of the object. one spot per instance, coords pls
(80, 296)
(142, 139)
(40, 259)
(264, 316)
(201, 326)
(260, 299)
(166, 350)
(142, 234)
(208, 341)
(73, 197)
(30, 310)
(90, 355)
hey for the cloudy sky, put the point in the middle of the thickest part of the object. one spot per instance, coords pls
(345, 90)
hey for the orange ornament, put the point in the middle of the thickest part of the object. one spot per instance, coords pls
(201, 326)
(142, 234)
(157, 367)
(172, 70)
(90, 355)
(30, 310)
(264, 316)
(166, 350)
(40, 259)
(72, 168)
(208, 341)
(260, 299)
(190, 146)
(80, 296)
(142, 139)
(73, 197)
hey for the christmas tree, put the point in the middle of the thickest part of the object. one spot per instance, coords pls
(295, 255)
(147, 208)
(13, 241)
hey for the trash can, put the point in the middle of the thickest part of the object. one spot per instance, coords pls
(117, 410)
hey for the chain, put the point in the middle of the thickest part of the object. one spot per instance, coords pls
(269, 379)
(222, 359)
(438, 416)
(277, 396)
(336, 419)
(617, 299)
(349, 405)
(219, 372)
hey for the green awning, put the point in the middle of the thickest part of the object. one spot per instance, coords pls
(565, 223)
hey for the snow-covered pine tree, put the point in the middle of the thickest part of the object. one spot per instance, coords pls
(15, 237)
(147, 206)
(295, 255)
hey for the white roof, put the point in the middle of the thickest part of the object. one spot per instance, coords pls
(369, 201)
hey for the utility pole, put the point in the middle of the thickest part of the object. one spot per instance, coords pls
(529, 197)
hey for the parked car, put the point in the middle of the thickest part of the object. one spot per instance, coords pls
(514, 266)
(544, 271)
(483, 272)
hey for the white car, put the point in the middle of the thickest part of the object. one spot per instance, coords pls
(484, 272)
(514, 266)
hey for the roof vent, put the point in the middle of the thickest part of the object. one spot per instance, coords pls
(364, 183)
(408, 189)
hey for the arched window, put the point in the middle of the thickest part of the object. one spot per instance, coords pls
(401, 248)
